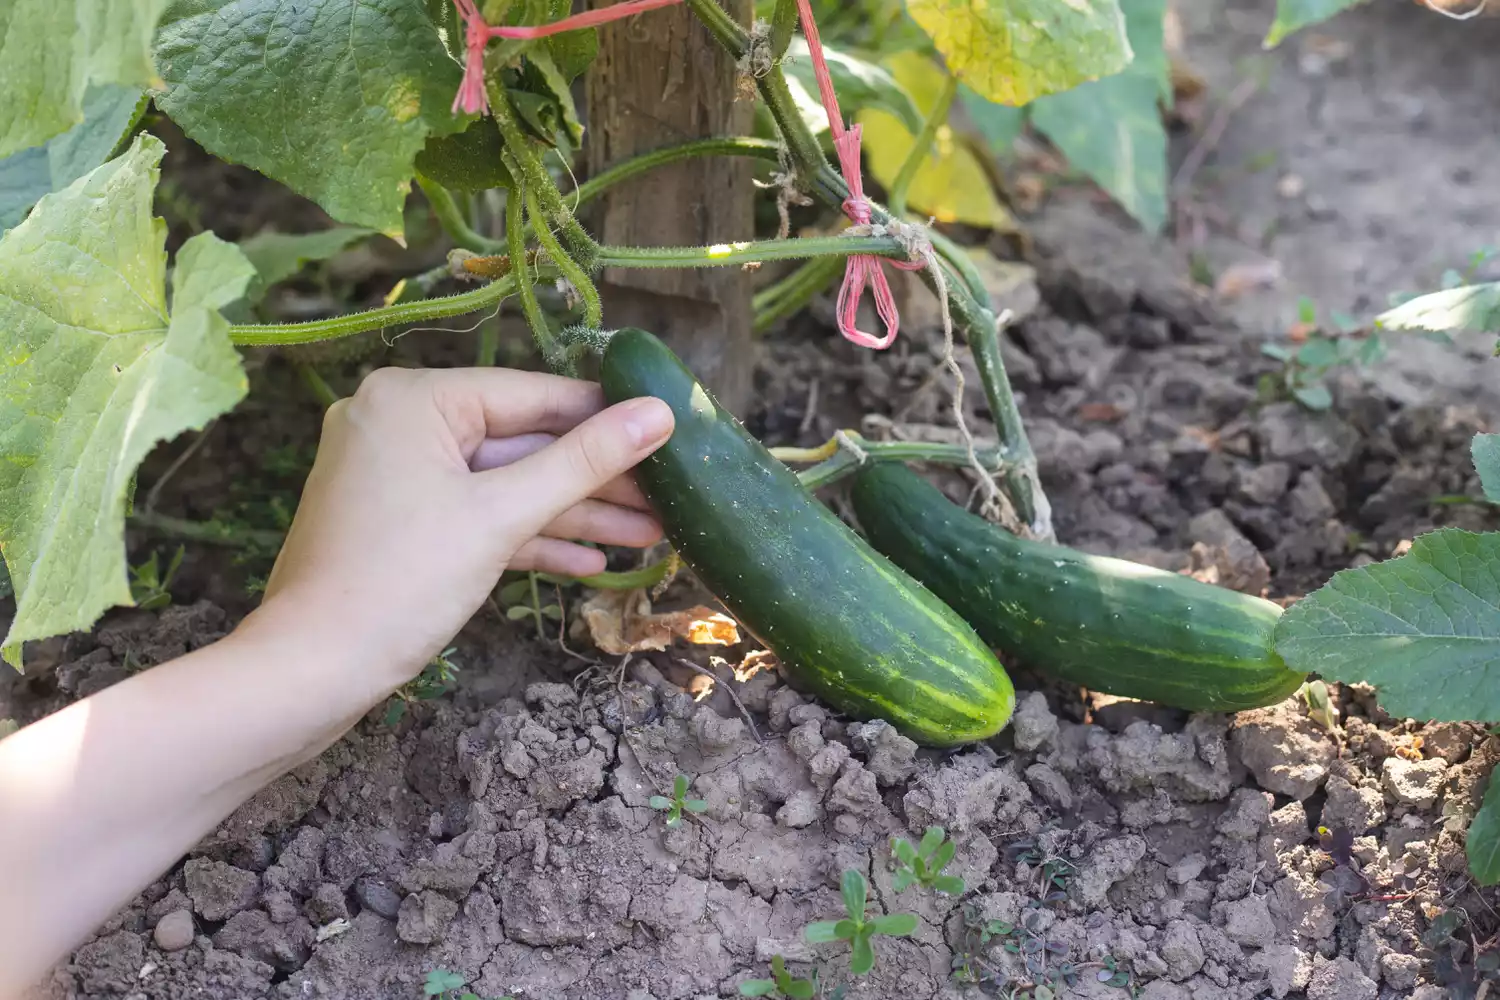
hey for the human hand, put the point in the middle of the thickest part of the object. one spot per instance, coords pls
(429, 484)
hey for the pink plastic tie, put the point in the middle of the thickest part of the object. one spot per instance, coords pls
(862, 269)
(471, 98)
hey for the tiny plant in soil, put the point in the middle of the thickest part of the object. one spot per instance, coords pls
(444, 985)
(1320, 707)
(1047, 970)
(435, 680)
(150, 585)
(923, 865)
(522, 600)
(678, 803)
(781, 984)
(855, 928)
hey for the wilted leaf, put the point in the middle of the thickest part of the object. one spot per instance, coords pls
(51, 51)
(859, 84)
(1473, 307)
(621, 621)
(1112, 129)
(93, 374)
(1482, 845)
(1423, 629)
(1014, 51)
(951, 184)
(109, 113)
(278, 256)
(1486, 452)
(334, 99)
(1293, 15)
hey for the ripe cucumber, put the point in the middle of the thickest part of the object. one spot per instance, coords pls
(846, 624)
(1106, 624)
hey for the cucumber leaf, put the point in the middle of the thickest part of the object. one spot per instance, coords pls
(1486, 452)
(859, 84)
(1470, 307)
(95, 371)
(1014, 51)
(1112, 129)
(1482, 843)
(1294, 15)
(110, 113)
(999, 125)
(333, 99)
(951, 185)
(52, 50)
(1423, 629)
(277, 256)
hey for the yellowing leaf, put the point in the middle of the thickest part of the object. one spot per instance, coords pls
(1014, 51)
(952, 185)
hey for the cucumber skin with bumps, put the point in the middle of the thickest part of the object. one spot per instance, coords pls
(846, 624)
(1107, 624)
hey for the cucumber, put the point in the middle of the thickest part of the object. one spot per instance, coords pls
(1107, 624)
(847, 625)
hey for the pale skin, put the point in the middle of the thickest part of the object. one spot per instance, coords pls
(427, 485)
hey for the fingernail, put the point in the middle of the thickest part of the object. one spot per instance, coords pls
(647, 420)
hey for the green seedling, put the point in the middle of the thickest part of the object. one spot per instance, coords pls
(444, 985)
(675, 806)
(1319, 707)
(1341, 342)
(522, 600)
(856, 929)
(435, 680)
(150, 586)
(923, 865)
(781, 984)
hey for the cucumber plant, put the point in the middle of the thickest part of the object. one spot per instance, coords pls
(856, 927)
(79, 178)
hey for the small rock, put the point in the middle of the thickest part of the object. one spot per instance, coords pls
(424, 917)
(1187, 869)
(1050, 787)
(1309, 502)
(252, 934)
(1263, 484)
(800, 810)
(1180, 949)
(1108, 862)
(855, 793)
(1414, 782)
(891, 757)
(1283, 966)
(1340, 979)
(377, 897)
(1233, 559)
(1352, 808)
(174, 931)
(1248, 921)
(1248, 811)
(1285, 750)
(1033, 723)
(1288, 433)
(1400, 970)
(1451, 741)
(219, 891)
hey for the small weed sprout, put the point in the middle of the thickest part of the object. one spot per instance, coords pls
(150, 586)
(1048, 972)
(522, 599)
(444, 985)
(678, 803)
(781, 984)
(435, 680)
(856, 929)
(1320, 707)
(923, 865)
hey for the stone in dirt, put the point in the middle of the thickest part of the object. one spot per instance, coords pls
(1286, 751)
(252, 934)
(1108, 862)
(111, 963)
(424, 917)
(174, 931)
(1414, 782)
(1033, 725)
(1247, 921)
(1181, 950)
(1352, 808)
(219, 891)
(1340, 979)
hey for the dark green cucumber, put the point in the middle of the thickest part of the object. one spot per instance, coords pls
(1106, 624)
(847, 625)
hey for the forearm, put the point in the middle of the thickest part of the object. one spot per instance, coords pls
(99, 799)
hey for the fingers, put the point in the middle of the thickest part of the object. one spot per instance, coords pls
(579, 464)
(494, 453)
(516, 402)
(605, 523)
(552, 555)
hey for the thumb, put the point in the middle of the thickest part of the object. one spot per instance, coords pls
(581, 462)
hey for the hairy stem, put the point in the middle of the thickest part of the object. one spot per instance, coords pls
(724, 254)
(837, 460)
(936, 119)
(530, 307)
(451, 218)
(593, 309)
(533, 176)
(762, 149)
(336, 327)
(783, 25)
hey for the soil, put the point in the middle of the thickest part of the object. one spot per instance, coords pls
(504, 831)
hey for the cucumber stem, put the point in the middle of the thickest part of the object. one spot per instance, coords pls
(451, 218)
(837, 459)
(350, 324)
(725, 254)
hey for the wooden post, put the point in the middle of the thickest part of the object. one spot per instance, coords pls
(660, 79)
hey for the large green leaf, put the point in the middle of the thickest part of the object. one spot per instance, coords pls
(859, 84)
(1112, 129)
(93, 373)
(1293, 15)
(277, 256)
(333, 99)
(109, 114)
(1014, 51)
(1482, 844)
(1470, 307)
(1423, 629)
(52, 50)
(1485, 450)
